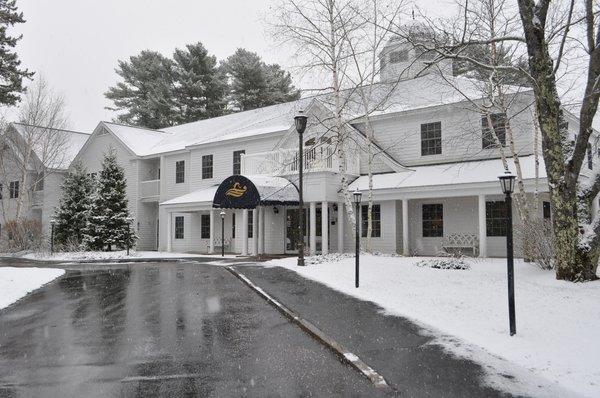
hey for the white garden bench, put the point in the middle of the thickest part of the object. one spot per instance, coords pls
(219, 244)
(459, 243)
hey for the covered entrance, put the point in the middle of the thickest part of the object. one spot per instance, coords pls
(259, 199)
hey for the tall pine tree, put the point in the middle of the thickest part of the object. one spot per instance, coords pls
(201, 88)
(146, 94)
(254, 84)
(11, 74)
(108, 224)
(74, 206)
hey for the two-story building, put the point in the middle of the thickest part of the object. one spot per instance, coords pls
(34, 161)
(434, 162)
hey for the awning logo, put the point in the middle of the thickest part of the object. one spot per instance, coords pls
(236, 191)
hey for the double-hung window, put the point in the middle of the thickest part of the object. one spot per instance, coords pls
(205, 226)
(180, 171)
(237, 162)
(375, 218)
(495, 218)
(433, 220)
(179, 227)
(498, 127)
(207, 167)
(14, 189)
(431, 139)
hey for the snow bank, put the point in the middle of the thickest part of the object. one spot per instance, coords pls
(558, 322)
(115, 255)
(17, 282)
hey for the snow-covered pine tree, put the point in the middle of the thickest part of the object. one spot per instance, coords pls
(108, 223)
(73, 208)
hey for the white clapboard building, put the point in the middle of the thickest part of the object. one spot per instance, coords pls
(435, 168)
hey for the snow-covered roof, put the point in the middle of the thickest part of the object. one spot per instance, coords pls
(55, 148)
(270, 119)
(204, 196)
(270, 189)
(422, 92)
(139, 140)
(448, 174)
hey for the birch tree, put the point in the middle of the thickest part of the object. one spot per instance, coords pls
(37, 149)
(550, 34)
(320, 31)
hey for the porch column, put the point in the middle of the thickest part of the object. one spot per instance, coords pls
(324, 228)
(313, 228)
(211, 242)
(261, 230)
(405, 236)
(255, 231)
(340, 225)
(169, 228)
(244, 235)
(482, 227)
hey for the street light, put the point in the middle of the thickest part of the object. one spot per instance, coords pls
(300, 122)
(129, 221)
(357, 197)
(507, 182)
(52, 223)
(222, 213)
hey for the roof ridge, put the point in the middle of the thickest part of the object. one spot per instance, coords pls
(137, 127)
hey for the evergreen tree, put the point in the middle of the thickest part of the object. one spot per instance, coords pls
(108, 223)
(146, 94)
(10, 72)
(72, 212)
(254, 84)
(200, 86)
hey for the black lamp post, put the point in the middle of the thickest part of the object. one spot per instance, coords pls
(357, 197)
(507, 182)
(300, 122)
(129, 221)
(52, 223)
(222, 213)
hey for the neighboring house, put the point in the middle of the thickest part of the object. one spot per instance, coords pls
(52, 151)
(435, 171)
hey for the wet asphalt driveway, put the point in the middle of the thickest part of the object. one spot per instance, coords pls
(168, 329)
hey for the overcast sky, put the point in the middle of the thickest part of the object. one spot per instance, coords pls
(75, 44)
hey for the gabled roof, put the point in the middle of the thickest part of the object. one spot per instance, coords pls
(139, 140)
(410, 94)
(54, 156)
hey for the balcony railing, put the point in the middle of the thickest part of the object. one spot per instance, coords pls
(149, 189)
(285, 161)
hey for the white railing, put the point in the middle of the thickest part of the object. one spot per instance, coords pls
(149, 188)
(285, 161)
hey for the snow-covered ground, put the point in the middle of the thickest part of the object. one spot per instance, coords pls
(114, 255)
(17, 282)
(558, 323)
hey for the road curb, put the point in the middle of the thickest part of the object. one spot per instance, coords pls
(343, 353)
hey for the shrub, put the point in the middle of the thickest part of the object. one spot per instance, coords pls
(19, 235)
(536, 240)
(457, 263)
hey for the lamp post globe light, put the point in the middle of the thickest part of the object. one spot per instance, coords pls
(300, 123)
(357, 198)
(52, 223)
(222, 213)
(507, 183)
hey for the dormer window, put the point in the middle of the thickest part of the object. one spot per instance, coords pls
(398, 56)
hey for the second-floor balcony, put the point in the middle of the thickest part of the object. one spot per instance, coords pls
(285, 162)
(150, 190)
